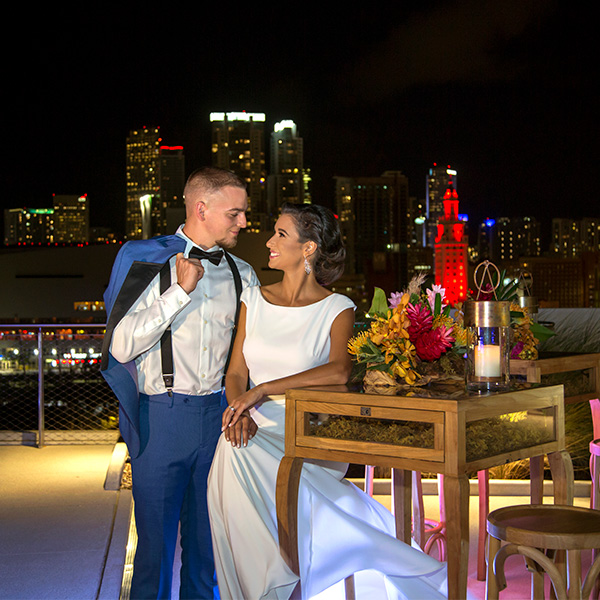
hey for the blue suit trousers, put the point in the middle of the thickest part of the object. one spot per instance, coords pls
(178, 436)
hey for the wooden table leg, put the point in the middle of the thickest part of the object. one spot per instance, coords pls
(418, 510)
(483, 480)
(456, 494)
(401, 498)
(561, 467)
(536, 479)
(286, 501)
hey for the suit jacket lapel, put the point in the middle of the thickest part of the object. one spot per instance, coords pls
(138, 278)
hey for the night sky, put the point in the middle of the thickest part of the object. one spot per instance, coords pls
(501, 91)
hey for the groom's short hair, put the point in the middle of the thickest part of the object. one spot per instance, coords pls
(209, 180)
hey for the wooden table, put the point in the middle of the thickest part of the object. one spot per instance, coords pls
(533, 370)
(450, 420)
(552, 364)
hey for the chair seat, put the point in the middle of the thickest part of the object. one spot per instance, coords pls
(548, 526)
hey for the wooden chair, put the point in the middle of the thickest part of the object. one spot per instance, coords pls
(429, 534)
(538, 532)
(595, 490)
(595, 454)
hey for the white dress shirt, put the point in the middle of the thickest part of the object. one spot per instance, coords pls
(201, 326)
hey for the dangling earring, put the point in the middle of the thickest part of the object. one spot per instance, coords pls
(307, 267)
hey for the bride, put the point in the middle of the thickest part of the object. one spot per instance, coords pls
(293, 334)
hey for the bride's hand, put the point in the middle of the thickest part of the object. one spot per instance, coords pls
(237, 406)
(242, 432)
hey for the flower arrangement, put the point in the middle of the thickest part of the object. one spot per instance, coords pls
(524, 341)
(414, 337)
(408, 333)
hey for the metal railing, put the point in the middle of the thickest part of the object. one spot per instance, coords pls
(51, 388)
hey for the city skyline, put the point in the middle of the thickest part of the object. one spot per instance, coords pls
(500, 93)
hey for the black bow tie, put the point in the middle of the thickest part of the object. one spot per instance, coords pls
(214, 257)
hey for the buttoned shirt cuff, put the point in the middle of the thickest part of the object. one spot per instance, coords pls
(176, 298)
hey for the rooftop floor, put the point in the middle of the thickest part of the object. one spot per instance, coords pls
(65, 525)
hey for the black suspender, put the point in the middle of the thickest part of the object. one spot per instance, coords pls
(166, 343)
(238, 292)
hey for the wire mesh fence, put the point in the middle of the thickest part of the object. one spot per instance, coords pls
(51, 388)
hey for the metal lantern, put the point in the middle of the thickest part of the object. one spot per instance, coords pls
(488, 339)
(526, 300)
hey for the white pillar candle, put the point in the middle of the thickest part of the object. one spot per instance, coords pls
(487, 361)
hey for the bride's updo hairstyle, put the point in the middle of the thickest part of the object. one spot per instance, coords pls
(318, 224)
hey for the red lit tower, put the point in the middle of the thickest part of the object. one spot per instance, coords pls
(451, 250)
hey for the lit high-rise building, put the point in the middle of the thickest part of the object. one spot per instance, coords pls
(571, 237)
(438, 180)
(238, 140)
(373, 213)
(66, 223)
(589, 230)
(142, 165)
(155, 182)
(71, 219)
(451, 250)
(516, 237)
(566, 239)
(285, 182)
(23, 226)
(168, 210)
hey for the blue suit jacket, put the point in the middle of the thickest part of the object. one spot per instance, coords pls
(137, 263)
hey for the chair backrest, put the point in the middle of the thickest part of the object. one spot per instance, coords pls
(595, 408)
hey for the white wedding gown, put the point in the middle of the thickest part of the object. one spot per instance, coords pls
(341, 530)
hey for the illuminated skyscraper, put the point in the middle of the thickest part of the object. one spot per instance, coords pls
(286, 178)
(71, 219)
(155, 181)
(168, 211)
(24, 226)
(451, 250)
(238, 140)
(437, 182)
(143, 151)
(589, 231)
(373, 213)
(566, 237)
(66, 223)
(516, 237)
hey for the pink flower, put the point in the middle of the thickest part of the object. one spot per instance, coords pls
(394, 299)
(518, 348)
(421, 320)
(430, 345)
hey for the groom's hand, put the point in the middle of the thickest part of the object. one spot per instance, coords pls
(189, 272)
(242, 432)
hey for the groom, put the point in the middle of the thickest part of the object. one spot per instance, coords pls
(172, 303)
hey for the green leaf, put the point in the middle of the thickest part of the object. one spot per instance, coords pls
(508, 292)
(541, 332)
(369, 352)
(379, 305)
(379, 367)
(437, 305)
